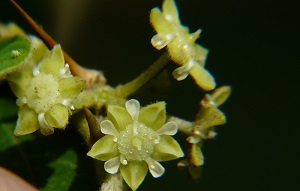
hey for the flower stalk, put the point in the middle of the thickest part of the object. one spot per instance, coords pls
(133, 86)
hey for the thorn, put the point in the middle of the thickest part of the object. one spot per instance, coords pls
(94, 128)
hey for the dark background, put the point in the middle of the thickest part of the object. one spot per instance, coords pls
(253, 47)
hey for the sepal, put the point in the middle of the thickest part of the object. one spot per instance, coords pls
(104, 149)
(167, 149)
(153, 115)
(27, 122)
(134, 173)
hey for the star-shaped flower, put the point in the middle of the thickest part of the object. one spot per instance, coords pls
(135, 141)
(181, 45)
(45, 94)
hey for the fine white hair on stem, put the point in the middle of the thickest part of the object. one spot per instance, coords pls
(113, 182)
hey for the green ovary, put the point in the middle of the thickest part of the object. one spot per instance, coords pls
(42, 93)
(137, 142)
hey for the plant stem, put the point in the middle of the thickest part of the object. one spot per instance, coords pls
(144, 78)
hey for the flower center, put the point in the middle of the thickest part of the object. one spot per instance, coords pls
(136, 142)
(42, 92)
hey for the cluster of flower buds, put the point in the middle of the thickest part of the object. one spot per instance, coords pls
(45, 94)
(181, 45)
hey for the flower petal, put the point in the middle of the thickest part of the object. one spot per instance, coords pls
(169, 128)
(155, 168)
(182, 72)
(133, 108)
(134, 173)
(27, 121)
(221, 94)
(160, 24)
(161, 40)
(112, 165)
(52, 62)
(209, 117)
(45, 128)
(202, 77)
(104, 149)
(180, 75)
(170, 11)
(167, 149)
(153, 115)
(57, 116)
(107, 127)
(70, 87)
(196, 155)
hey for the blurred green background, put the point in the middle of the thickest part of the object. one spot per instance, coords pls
(254, 47)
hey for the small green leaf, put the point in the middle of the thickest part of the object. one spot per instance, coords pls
(63, 167)
(13, 51)
(56, 162)
(19, 81)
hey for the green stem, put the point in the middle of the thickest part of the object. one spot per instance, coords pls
(134, 85)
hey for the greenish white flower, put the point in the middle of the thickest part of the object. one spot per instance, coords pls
(45, 94)
(135, 141)
(203, 128)
(181, 45)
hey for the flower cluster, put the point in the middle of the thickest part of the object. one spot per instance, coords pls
(135, 141)
(203, 128)
(181, 45)
(45, 94)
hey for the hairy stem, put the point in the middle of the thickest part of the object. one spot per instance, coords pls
(113, 182)
(144, 78)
